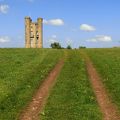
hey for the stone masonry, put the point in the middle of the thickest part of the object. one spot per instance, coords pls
(33, 33)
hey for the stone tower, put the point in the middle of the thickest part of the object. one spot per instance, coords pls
(33, 33)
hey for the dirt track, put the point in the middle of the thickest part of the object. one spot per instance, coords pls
(108, 109)
(39, 99)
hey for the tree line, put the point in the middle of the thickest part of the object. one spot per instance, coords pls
(57, 45)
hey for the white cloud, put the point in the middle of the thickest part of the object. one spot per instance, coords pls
(52, 39)
(45, 21)
(86, 27)
(4, 39)
(55, 22)
(54, 36)
(100, 38)
(4, 8)
(92, 40)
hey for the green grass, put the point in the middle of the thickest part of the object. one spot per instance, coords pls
(72, 97)
(107, 63)
(21, 72)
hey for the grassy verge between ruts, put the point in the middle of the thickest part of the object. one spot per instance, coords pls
(72, 97)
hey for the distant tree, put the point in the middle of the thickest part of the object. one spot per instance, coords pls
(82, 47)
(69, 47)
(56, 45)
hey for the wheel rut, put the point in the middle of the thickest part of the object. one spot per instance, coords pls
(31, 112)
(109, 110)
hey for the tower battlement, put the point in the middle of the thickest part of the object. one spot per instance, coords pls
(33, 33)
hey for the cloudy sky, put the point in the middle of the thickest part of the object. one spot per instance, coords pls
(91, 23)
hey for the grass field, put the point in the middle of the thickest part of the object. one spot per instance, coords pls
(72, 97)
(107, 63)
(21, 72)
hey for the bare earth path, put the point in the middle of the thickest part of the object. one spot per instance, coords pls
(108, 109)
(39, 99)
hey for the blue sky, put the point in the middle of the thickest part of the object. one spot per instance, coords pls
(91, 23)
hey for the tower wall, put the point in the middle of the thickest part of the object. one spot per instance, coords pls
(33, 36)
(33, 33)
(40, 33)
(27, 32)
